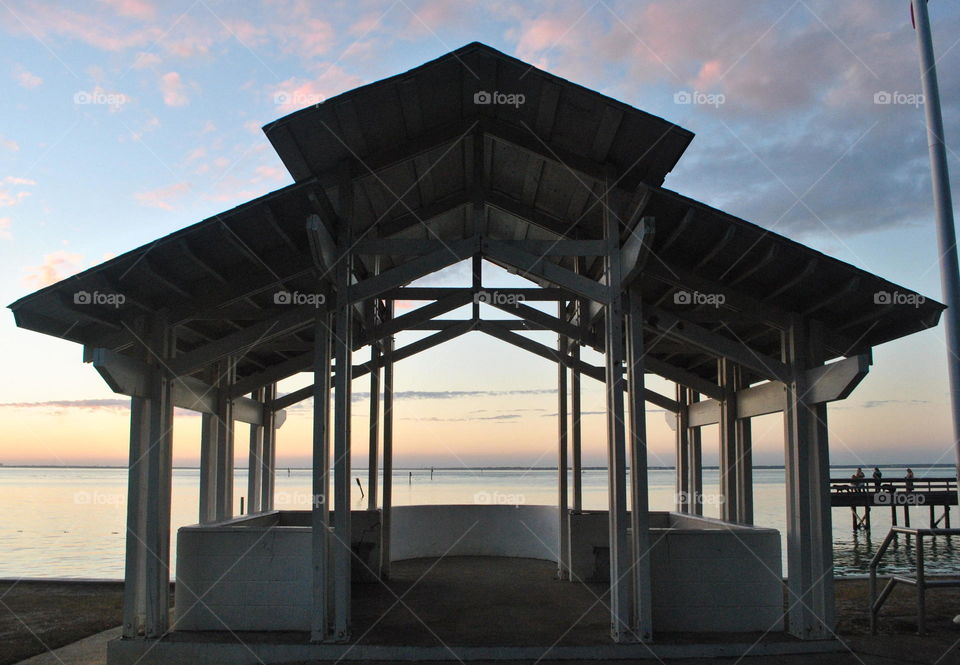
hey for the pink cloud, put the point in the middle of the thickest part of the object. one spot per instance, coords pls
(11, 196)
(55, 267)
(708, 75)
(56, 21)
(9, 144)
(146, 60)
(138, 9)
(173, 90)
(163, 197)
(270, 172)
(5, 223)
(27, 79)
(296, 93)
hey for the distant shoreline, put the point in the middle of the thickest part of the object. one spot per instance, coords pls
(893, 465)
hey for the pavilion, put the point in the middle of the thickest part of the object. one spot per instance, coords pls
(474, 156)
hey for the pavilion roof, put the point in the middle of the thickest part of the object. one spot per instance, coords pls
(427, 163)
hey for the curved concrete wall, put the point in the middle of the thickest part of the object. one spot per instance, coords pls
(530, 532)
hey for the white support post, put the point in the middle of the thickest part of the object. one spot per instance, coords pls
(343, 352)
(576, 432)
(209, 463)
(374, 453)
(387, 499)
(729, 483)
(642, 624)
(620, 555)
(226, 371)
(683, 499)
(809, 536)
(695, 443)
(744, 449)
(134, 588)
(320, 628)
(563, 549)
(255, 462)
(269, 457)
(159, 456)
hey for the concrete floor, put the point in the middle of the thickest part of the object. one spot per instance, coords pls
(476, 601)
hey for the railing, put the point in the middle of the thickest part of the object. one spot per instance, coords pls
(920, 581)
(868, 484)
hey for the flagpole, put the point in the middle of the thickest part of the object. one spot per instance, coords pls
(943, 209)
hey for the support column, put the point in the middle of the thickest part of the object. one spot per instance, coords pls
(744, 448)
(576, 432)
(159, 456)
(729, 483)
(642, 623)
(321, 624)
(563, 550)
(255, 461)
(134, 588)
(342, 351)
(209, 462)
(374, 454)
(683, 453)
(269, 457)
(620, 555)
(226, 371)
(696, 461)
(387, 500)
(809, 537)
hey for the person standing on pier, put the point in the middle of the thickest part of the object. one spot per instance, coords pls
(909, 478)
(876, 478)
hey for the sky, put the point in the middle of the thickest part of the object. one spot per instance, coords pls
(124, 120)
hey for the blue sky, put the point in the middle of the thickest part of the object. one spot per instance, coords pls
(127, 119)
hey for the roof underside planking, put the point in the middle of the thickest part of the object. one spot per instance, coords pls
(420, 155)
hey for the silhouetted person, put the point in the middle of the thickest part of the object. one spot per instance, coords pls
(858, 477)
(876, 478)
(909, 478)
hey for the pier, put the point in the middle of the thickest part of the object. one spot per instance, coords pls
(932, 493)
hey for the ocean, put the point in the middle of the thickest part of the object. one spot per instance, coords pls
(70, 522)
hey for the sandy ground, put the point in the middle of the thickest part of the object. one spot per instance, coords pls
(36, 617)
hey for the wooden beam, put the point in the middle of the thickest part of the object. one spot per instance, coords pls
(636, 249)
(572, 362)
(297, 318)
(531, 264)
(825, 383)
(132, 377)
(454, 252)
(450, 302)
(673, 326)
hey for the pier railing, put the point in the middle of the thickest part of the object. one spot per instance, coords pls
(920, 581)
(844, 485)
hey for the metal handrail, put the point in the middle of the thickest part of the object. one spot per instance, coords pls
(920, 581)
(939, 484)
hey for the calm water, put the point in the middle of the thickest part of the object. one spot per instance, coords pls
(70, 522)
